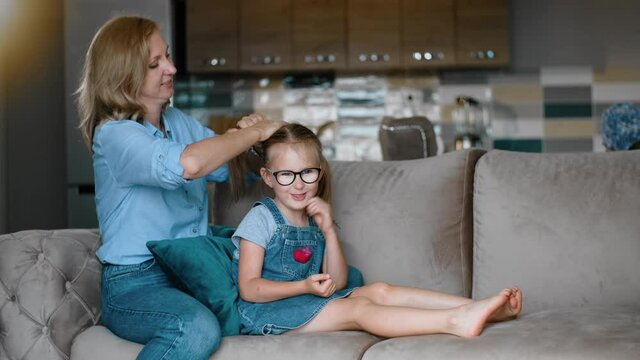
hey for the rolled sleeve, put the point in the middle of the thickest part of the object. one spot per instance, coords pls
(135, 157)
(167, 168)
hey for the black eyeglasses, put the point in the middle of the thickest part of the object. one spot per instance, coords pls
(287, 177)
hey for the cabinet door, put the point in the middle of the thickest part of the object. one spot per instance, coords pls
(428, 33)
(265, 34)
(212, 35)
(319, 36)
(482, 36)
(373, 34)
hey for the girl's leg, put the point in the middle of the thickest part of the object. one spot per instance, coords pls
(139, 304)
(360, 313)
(390, 295)
(384, 294)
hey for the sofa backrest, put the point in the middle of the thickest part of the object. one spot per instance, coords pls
(564, 227)
(49, 291)
(403, 222)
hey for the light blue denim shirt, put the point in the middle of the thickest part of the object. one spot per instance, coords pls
(140, 192)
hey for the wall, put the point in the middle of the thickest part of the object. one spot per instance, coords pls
(34, 115)
(596, 33)
(4, 9)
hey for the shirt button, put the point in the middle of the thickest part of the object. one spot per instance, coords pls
(199, 208)
(161, 157)
(194, 230)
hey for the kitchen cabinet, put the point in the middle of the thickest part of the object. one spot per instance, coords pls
(482, 33)
(373, 34)
(428, 36)
(319, 36)
(212, 35)
(265, 35)
(360, 35)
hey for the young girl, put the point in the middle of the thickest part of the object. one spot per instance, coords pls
(291, 271)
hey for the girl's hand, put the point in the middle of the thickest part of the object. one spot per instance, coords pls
(320, 285)
(320, 211)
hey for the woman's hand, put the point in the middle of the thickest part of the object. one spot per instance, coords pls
(249, 120)
(320, 285)
(265, 127)
(320, 211)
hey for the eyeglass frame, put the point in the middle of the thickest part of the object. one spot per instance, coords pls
(295, 174)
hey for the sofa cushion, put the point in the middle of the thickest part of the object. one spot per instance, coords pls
(564, 227)
(572, 333)
(49, 291)
(98, 343)
(403, 222)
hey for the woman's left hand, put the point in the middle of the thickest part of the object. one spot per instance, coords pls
(320, 211)
(249, 120)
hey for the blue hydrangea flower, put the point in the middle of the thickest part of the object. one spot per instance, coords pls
(620, 126)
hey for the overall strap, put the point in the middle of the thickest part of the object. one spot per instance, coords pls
(273, 208)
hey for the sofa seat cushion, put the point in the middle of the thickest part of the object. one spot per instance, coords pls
(98, 343)
(569, 333)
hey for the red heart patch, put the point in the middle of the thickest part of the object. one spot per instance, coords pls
(302, 255)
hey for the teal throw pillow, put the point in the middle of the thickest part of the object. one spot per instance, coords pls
(201, 266)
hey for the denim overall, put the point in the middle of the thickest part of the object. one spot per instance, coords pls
(292, 254)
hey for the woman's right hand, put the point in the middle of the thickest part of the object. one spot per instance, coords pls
(320, 285)
(267, 127)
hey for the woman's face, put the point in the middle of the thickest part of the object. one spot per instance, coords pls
(157, 87)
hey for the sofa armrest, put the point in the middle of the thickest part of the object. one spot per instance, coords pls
(49, 291)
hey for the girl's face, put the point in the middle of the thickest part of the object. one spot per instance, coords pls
(157, 87)
(297, 157)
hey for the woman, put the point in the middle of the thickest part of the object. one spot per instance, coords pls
(151, 165)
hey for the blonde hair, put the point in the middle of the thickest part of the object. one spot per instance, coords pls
(114, 71)
(288, 134)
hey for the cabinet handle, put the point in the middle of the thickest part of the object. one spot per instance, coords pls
(373, 57)
(482, 54)
(428, 56)
(267, 60)
(319, 58)
(217, 61)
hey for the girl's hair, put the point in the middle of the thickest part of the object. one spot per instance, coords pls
(114, 70)
(288, 134)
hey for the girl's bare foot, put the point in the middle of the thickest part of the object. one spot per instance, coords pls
(472, 317)
(511, 308)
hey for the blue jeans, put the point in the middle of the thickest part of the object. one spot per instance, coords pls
(140, 304)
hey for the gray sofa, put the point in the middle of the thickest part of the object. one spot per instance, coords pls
(563, 227)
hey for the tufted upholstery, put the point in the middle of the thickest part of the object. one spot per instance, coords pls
(49, 291)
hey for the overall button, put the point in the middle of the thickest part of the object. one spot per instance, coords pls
(45, 329)
(194, 230)
(200, 208)
(67, 285)
(41, 257)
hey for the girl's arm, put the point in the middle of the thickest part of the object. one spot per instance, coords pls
(333, 263)
(254, 288)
